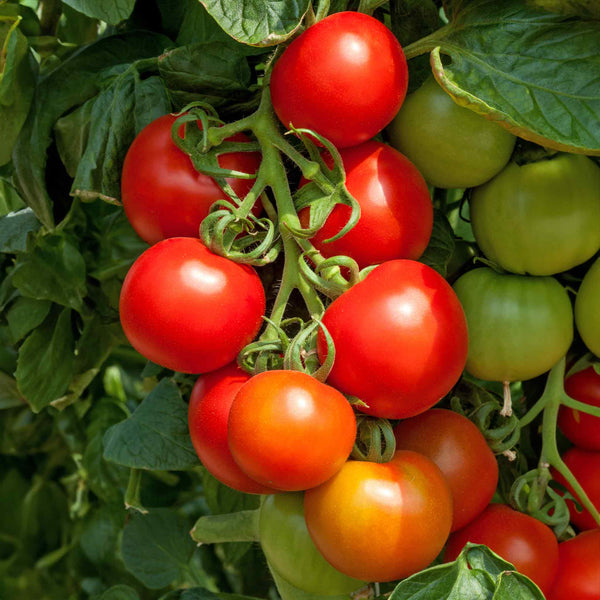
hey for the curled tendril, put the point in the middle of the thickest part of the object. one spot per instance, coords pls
(327, 276)
(375, 441)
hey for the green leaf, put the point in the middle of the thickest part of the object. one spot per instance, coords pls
(258, 22)
(513, 585)
(26, 314)
(202, 594)
(156, 436)
(240, 526)
(120, 592)
(156, 547)
(439, 251)
(74, 81)
(71, 133)
(53, 269)
(9, 393)
(10, 201)
(533, 72)
(222, 499)
(101, 532)
(111, 11)
(45, 363)
(589, 9)
(15, 228)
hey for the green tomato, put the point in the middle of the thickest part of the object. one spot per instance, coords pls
(539, 218)
(587, 309)
(451, 145)
(291, 552)
(519, 327)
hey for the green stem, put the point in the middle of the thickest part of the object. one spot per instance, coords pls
(581, 406)
(322, 9)
(428, 43)
(133, 493)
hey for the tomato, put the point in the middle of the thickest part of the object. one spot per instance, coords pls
(582, 429)
(539, 218)
(187, 309)
(381, 522)
(291, 552)
(585, 466)
(208, 413)
(519, 327)
(518, 538)
(345, 77)
(578, 576)
(400, 339)
(459, 449)
(289, 431)
(587, 315)
(453, 146)
(395, 205)
(163, 194)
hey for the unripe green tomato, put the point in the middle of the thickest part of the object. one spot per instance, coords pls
(519, 327)
(540, 218)
(291, 552)
(587, 309)
(451, 145)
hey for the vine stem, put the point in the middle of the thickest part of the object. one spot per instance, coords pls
(427, 43)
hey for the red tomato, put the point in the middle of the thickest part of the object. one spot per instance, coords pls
(396, 208)
(380, 522)
(578, 576)
(188, 309)
(585, 466)
(459, 449)
(518, 538)
(209, 408)
(582, 429)
(289, 431)
(163, 194)
(400, 339)
(345, 78)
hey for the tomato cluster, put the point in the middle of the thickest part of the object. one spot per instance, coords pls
(392, 344)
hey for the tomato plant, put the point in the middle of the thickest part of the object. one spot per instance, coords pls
(167, 294)
(578, 576)
(394, 203)
(291, 552)
(163, 194)
(452, 146)
(518, 538)
(344, 77)
(400, 339)
(381, 522)
(582, 429)
(519, 327)
(539, 218)
(459, 449)
(210, 403)
(289, 431)
(587, 318)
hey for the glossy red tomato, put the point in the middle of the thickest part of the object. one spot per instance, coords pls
(208, 413)
(163, 195)
(578, 576)
(459, 449)
(585, 466)
(289, 431)
(187, 309)
(345, 78)
(380, 522)
(518, 538)
(395, 205)
(582, 429)
(400, 339)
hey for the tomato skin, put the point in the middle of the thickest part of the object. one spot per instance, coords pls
(459, 449)
(208, 412)
(400, 339)
(289, 431)
(345, 77)
(291, 552)
(519, 327)
(578, 576)
(585, 466)
(451, 145)
(540, 218)
(582, 429)
(518, 538)
(587, 315)
(396, 208)
(187, 309)
(163, 195)
(381, 522)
